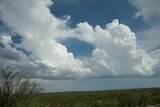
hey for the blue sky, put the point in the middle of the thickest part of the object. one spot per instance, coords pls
(95, 12)
(69, 45)
(98, 12)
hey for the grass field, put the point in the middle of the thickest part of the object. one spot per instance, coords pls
(114, 98)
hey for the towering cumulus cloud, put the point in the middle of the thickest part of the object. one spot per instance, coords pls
(116, 52)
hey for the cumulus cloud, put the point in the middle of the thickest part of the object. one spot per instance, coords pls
(38, 28)
(116, 52)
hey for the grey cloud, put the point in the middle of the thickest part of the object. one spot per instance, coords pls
(9, 54)
(148, 10)
(149, 39)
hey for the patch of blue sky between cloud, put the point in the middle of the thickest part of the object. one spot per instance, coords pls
(99, 12)
(17, 39)
(95, 12)
(78, 48)
(14, 37)
(68, 2)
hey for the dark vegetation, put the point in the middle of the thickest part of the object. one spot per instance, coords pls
(18, 91)
(116, 98)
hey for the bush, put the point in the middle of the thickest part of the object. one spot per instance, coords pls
(15, 88)
(97, 103)
(112, 103)
(81, 105)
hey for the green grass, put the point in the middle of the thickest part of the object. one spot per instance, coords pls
(115, 98)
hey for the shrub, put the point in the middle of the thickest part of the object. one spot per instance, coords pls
(15, 88)
(81, 105)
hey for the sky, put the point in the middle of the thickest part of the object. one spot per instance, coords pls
(78, 45)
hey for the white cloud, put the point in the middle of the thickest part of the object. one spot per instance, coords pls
(5, 40)
(147, 9)
(38, 27)
(116, 50)
(34, 18)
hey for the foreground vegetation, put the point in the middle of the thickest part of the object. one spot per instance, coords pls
(18, 91)
(116, 98)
